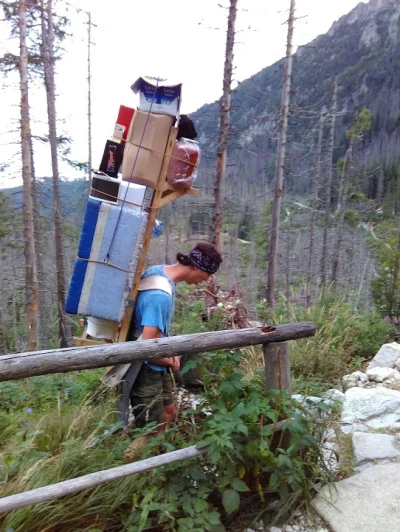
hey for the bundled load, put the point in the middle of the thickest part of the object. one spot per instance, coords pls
(116, 222)
(108, 252)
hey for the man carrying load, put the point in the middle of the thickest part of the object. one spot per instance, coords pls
(149, 385)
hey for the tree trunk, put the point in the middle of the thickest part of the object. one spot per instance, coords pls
(317, 175)
(48, 60)
(223, 132)
(328, 187)
(31, 288)
(89, 102)
(280, 170)
(344, 186)
(43, 315)
(379, 188)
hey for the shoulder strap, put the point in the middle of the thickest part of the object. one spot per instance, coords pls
(155, 282)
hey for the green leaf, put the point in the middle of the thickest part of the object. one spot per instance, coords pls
(204, 443)
(230, 500)
(213, 518)
(239, 485)
(200, 505)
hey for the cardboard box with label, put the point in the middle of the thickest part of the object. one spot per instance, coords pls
(162, 97)
(145, 168)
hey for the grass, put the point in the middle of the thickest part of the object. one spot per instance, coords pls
(344, 339)
(54, 428)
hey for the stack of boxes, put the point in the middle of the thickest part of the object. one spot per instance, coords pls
(115, 219)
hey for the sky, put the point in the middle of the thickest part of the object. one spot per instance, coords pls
(182, 40)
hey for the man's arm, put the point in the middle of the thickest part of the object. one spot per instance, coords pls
(151, 333)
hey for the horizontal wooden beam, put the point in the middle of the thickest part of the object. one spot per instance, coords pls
(22, 365)
(69, 487)
(74, 485)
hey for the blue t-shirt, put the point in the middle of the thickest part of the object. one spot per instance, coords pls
(154, 308)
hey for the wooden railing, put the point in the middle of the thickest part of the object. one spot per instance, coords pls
(19, 366)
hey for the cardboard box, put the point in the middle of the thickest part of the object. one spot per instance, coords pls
(145, 169)
(164, 98)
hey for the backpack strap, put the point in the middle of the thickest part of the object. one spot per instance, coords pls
(155, 282)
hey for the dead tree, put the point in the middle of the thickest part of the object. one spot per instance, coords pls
(344, 180)
(280, 168)
(223, 132)
(48, 63)
(328, 186)
(31, 288)
(89, 79)
(317, 175)
(223, 129)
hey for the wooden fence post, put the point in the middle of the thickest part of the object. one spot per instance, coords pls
(277, 366)
(277, 377)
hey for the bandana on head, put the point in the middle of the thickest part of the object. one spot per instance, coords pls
(203, 262)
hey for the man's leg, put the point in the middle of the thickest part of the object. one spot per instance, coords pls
(147, 404)
(170, 410)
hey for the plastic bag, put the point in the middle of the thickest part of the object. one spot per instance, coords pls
(182, 170)
(158, 229)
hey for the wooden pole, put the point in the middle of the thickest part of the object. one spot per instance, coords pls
(155, 205)
(69, 487)
(20, 366)
(74, 485)
(277, 366)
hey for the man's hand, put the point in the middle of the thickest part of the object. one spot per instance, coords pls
(176, 364)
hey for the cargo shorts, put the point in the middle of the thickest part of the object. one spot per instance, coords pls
(151, 391)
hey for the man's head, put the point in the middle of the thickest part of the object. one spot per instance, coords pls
(200, 264)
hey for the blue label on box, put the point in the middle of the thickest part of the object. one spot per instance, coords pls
(163, 95)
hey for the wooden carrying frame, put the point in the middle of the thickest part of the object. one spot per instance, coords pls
(163, 194)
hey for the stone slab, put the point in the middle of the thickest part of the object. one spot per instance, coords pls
(366, 502)
(381, 374)
(387, 356)
(363, 404)
(368, 447)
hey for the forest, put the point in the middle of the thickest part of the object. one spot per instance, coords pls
(299, 189)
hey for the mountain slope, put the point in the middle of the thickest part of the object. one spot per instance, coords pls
(363, 50)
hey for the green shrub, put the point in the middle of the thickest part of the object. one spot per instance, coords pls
(246, 463)
(343, 339)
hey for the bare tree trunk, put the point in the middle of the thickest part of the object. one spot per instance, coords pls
(328, 187)
(44, 318)
(89, 102)
(280, 169)
(225, 103)
(223, 132)
(288, 249)
(31, 287)
(340, 226)
(49, 60)
(317, 175)
(379, 188)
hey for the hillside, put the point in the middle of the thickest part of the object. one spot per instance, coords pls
(363, 49)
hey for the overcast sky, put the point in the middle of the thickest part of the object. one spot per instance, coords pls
(181, 40)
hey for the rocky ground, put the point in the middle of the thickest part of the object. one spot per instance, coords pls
(368, 440)
(362, 444)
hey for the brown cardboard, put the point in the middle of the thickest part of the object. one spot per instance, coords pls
(151, 154)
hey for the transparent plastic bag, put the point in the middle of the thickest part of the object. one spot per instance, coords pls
(182, 170)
